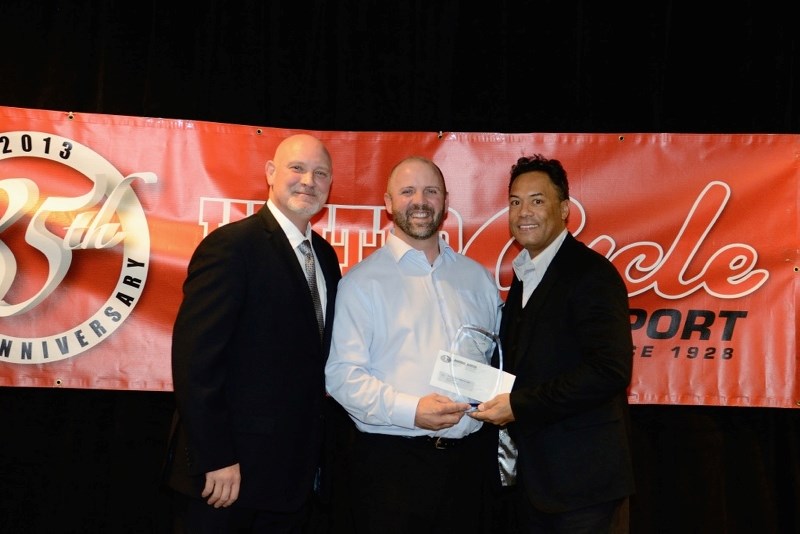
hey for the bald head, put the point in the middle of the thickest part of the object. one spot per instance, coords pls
(299, 178)
(302, 144)
(415, 162)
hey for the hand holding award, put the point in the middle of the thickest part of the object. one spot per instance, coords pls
(466, 369)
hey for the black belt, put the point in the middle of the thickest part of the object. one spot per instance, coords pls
(433, 442)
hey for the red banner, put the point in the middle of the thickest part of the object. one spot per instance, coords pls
(101, 213)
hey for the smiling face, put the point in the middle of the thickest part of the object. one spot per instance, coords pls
(299, 178)
(417, 201)
(536, 216)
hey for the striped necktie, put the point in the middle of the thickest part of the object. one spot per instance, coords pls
(311, 278)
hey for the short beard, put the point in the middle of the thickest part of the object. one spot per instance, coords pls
(305, 209)
(402, 221)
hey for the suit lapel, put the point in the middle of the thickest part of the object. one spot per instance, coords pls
(287, 256)
(555, 272)
(332, 274)
(543, 294)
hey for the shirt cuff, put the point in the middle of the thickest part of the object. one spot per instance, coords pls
(405, 410)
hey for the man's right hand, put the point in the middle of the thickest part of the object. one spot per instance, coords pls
(496, 411)
(222, 486)
(435, 412)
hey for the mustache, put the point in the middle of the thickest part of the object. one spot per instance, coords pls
(306, 189)
(420, 207)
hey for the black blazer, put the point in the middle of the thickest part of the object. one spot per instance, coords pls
(572, 353)
(248, 364)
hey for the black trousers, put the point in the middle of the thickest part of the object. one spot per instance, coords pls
(603, 518)
(402, 485)
(195, 516)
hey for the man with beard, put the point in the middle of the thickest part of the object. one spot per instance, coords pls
(413, 460)
(248, 355)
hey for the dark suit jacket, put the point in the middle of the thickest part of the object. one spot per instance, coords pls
(572, 353)
(248, 364)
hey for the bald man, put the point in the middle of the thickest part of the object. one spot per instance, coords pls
(414, 456)
(248, 357)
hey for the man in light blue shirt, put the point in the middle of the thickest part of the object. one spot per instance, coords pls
(413, 464)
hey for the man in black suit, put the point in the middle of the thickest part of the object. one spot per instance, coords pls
(566, 334)
(248, 357)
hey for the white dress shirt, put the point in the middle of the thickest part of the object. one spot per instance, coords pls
(394, 312)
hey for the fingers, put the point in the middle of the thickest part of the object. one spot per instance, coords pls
(446, 405)
(437, 421)
(208, 489)
(480, 413)
(219, 496)
(222, 496)
(496, 411)
(222, 487)
(436, 412)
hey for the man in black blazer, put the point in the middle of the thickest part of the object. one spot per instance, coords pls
(566, 336)
(248, 357)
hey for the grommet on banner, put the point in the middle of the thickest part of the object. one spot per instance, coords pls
(440, 135)
(259, 131)
(621, 137)
(70, 115)
(58, 383)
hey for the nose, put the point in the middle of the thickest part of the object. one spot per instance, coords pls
(307, 178)
(526, 208)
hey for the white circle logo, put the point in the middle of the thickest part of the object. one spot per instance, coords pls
(104, 218)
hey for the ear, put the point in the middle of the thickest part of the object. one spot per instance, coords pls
(564, 209)
(269, 170)
(387, 201)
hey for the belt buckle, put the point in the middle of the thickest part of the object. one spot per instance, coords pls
(440, 443)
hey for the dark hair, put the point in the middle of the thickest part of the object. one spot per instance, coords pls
(551, 167)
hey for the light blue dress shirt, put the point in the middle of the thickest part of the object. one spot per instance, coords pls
(394, 313)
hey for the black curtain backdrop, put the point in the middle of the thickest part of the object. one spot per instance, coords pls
(88, 461)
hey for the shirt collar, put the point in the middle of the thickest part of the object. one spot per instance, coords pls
(400, 248)
(294, 235)
(524, 263)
